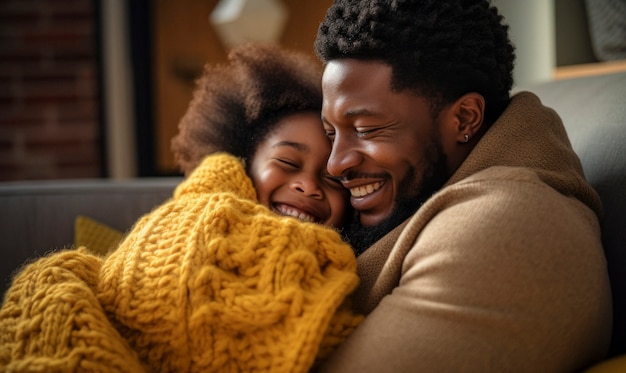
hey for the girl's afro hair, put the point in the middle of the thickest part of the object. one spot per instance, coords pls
(235, 105)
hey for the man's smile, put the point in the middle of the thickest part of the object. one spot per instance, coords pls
(364, 190)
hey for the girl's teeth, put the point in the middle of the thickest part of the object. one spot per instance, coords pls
(296, 214)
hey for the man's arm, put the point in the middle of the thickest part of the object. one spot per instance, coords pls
(506, 275)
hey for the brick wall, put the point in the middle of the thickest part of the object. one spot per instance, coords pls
(49, 122)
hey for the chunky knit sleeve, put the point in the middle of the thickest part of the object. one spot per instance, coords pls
(51, 320)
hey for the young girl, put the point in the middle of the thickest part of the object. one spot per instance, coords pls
(238, 271)
(264, 108)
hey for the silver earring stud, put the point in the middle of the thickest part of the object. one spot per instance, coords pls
(466, 137)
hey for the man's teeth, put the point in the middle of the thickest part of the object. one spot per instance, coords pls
(295, 213)
(365, 189)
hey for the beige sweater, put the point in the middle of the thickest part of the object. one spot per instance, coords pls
(501, 271)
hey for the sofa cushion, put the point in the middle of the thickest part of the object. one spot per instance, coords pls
(98, 238)
(38, 216)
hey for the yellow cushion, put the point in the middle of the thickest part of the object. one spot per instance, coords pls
(614, 365)
(97, 237)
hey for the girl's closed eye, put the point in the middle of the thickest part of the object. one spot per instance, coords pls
(288, 164)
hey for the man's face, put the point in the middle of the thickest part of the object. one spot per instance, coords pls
(386, 145)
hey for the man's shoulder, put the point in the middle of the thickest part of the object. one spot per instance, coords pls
(496, 201)
(502, 173)
(477, 188)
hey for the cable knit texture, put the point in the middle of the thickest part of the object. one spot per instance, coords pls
(210, 281)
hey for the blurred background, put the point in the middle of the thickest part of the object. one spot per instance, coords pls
(95, 88)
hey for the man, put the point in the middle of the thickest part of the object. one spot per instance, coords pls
(478, 236)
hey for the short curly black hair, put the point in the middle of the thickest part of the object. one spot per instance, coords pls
(236, 105)
(441, 49)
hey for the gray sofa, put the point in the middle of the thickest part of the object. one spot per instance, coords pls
(39, 216)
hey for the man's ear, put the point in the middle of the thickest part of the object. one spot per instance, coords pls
(469, 110)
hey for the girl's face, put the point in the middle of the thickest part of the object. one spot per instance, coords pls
(289, 173)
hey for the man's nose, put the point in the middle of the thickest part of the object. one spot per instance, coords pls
(343, 156)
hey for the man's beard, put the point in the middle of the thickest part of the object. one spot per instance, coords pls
(407, 202)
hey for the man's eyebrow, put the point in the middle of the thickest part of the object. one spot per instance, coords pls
(361, 112)
(357, 113)
(295, 145)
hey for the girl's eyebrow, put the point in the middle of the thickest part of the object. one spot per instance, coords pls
(295, 145)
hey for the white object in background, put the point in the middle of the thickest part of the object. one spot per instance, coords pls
(119, 125)
(238, 21)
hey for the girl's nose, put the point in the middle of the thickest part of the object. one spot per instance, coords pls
(308, 186)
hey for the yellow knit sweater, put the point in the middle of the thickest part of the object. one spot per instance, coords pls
(210, 281)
